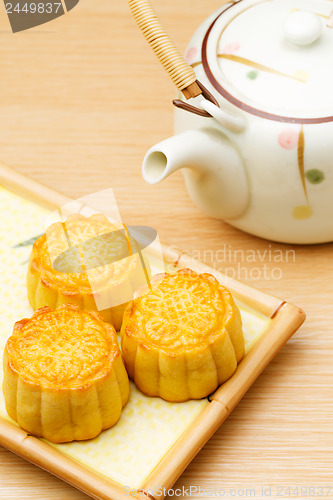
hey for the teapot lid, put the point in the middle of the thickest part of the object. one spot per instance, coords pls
(274, 58)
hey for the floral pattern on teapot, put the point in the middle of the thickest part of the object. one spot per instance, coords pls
(268, 62)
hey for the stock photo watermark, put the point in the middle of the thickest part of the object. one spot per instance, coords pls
(25, 14)
(108, 247)
(246, 264)
(87, 237)
(278, 491)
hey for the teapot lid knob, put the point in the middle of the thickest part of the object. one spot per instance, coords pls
(302, 27)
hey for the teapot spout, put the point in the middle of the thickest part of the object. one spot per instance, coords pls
(213, 168)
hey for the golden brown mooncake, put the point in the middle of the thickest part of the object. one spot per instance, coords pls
(64, 377)
(183, 338)
(105, 288)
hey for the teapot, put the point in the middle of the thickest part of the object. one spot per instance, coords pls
(256, 144)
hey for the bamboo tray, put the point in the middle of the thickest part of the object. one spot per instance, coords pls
(268, 323)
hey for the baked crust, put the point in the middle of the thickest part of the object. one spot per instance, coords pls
(64, 377)
(183, 338)
(111, 285)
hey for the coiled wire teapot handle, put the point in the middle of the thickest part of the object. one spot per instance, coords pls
(181, 73)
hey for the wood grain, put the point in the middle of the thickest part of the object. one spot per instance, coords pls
(71, 120)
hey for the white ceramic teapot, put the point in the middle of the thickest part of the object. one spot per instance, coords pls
(263, 160)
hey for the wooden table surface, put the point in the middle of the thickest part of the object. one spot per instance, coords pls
(82, 99)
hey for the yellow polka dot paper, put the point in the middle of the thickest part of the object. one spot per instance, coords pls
(148, 427)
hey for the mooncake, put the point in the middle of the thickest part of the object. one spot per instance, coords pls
(104, 287)
(182, 338)
(64, 377)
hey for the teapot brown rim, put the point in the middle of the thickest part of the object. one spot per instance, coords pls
(240, 104)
